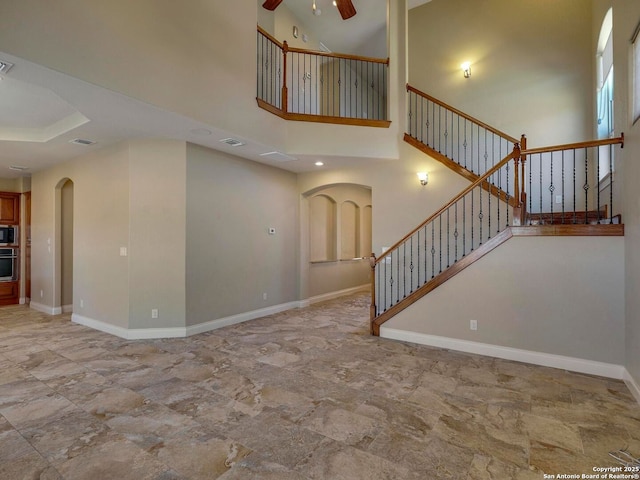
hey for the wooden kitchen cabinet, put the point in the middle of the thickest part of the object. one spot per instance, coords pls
(9, 293)
(9, 208)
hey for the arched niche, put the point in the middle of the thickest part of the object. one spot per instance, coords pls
(322, 228)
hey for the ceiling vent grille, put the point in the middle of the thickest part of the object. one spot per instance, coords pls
(5, 66)
(82, 141)
(232, 142)
(278, 156)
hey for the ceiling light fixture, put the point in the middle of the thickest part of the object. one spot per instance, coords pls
(319, 164)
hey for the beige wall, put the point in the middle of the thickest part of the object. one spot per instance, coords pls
(231, 258)
(531, 64)
(575, 311)
(101, 224)
(157, 238)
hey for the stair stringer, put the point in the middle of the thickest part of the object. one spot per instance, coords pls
(484, 249)
(553, 301)
(439, 279)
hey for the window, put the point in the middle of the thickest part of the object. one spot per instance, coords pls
(604, 96)
(636, 73)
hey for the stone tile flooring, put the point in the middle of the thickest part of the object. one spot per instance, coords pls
(305, 394)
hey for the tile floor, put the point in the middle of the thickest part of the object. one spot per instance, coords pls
(305, 394)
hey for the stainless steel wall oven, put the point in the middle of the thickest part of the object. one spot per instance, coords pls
(8, 264)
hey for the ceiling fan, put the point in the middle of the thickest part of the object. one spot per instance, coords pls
(345, 7)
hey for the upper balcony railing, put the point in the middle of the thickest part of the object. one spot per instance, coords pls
(321, 87)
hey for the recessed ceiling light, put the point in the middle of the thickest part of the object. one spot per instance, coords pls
(319, 164)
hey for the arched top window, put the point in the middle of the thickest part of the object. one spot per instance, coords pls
(604, 93)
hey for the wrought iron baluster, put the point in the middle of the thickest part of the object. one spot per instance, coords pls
(586, 185)
(552, 188)
(433, 250)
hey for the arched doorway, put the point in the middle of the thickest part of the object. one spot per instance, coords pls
(64, 246)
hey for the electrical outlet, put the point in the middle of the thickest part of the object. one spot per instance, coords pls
(81, 303)
(154, 313)
(558, 199)
(473, 324)
(264, 296)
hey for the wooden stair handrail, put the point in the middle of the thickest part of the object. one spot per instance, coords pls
(270, 37)
(450, 203)
(462, 114)
(345, 56)
(574, 146)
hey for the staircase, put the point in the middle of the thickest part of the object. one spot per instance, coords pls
(514, 191)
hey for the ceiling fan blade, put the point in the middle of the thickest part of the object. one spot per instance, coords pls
(271, 4)
(346, 8)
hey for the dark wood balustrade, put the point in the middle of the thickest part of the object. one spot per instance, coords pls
(397, 279)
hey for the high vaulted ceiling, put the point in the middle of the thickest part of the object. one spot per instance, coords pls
(42, 111)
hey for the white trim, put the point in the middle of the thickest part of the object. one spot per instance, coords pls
(129, 334)
(179, 332)
(580, 365)
(67, 308)
(239, 318)
(632, 385)
(45, 308)
(22, 300)
(333, 295)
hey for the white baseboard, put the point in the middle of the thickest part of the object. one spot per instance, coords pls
(22, 300)
(45, 308)
(239, 318)
(179, 332)
(580, 365)
(129, 334)
(333, 295)
(632, 385)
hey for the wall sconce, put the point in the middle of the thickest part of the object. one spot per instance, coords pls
(423, 177)
(466, 69)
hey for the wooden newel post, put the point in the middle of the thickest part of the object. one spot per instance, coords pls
(517, 216)
(372, 308)
(285, 92)
(523, 192)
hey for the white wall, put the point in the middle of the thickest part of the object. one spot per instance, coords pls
(231, 258)
(531, 64)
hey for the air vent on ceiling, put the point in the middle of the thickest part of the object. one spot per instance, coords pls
(5, 66)
(82, 141)
(278, 156)
(232, 142)
(18, 168)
